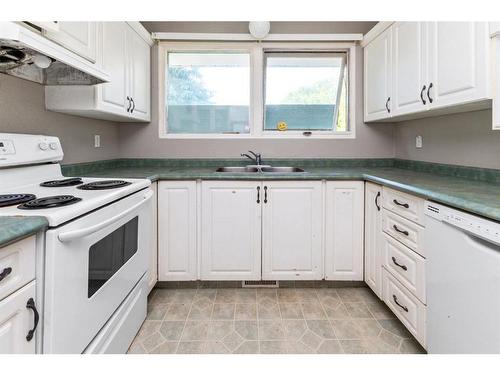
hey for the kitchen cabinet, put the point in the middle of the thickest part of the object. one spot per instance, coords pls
(177, 217)
(16, 320)
(373, 234)
(425, 69)
(153, 261)
(231, 230)
(344, 230)
(123, 52)
(292, 230)
(79, 37)
(378, 77)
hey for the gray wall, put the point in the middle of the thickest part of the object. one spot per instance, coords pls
(372, 141)
(463, 139)
(22, 110)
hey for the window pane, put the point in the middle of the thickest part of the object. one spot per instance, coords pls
(304, 91)
(208, 92)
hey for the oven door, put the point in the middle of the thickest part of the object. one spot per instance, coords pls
(92, 264)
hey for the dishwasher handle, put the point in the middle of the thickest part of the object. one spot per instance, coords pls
(73, 235)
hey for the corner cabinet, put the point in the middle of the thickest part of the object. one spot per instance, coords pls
(123, 51)
(344, 230)
(373, 237)
(421, 69)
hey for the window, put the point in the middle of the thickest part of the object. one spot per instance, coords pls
(208, 92)
(257, 90)
(305, 92)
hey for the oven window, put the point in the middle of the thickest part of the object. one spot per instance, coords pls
(108, 255)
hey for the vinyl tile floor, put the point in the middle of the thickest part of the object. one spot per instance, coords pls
(270, 321)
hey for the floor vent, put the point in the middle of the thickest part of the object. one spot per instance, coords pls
(260, 284)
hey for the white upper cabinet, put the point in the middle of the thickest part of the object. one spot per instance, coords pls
(458, 62)
(231, 230)
(344, 230)
(408, 68)
(177, 215)
(292, 230)
(377, 77)
(373, 234)
(424, 66)
(124, 53)
(79, 37)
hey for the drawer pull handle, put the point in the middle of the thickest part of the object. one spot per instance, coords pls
(405, 205)
(258, 194)
(376, 201)
(397, 303)
(399, 265)
(405, 232)
(6, 272)
(31, 305)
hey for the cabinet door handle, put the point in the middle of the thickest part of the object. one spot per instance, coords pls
(265, 194)
(405, 205)
(400, 231)
(376, 201)
(422, 94)
(31, 305)
(397, 303)
(133, 105)
(428, 93)
(258, 194)
(387, 104)
(399, 265)
(129, 104)
(6, 272)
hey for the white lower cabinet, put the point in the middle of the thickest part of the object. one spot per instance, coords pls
(153, 261)
(16, 320)
(344, 230)
(292, 230)
(177, 213)
(373, 234)
(231, 230)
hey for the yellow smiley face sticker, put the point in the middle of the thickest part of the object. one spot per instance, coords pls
(282, 126)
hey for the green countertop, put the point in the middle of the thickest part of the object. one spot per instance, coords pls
(15, 228)
(479, 197)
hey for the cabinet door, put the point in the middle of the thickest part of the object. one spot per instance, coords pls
(344, 230)
(15, 322)
(113, 61)
(377, 77)
(231, 230)
(177, 230)
(458, 62)
(373, 237)
(139, 74)
(79, 37)
(153, 261)
(408, 68)
(292, 230)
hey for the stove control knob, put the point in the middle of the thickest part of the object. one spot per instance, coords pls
(43, 146)
(53, 145)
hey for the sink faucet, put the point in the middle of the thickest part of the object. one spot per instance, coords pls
(257, 158)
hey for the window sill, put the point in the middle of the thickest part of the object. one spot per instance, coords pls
(347, 135)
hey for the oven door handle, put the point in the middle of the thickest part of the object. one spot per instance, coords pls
(73, 235)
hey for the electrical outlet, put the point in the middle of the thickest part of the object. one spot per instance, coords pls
(97, 141)
(418, 141)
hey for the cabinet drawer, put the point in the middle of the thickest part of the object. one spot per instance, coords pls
(17, 265)
(405, 265)
(406, 205)
(16, 320)
(406, 306)
(405, 231)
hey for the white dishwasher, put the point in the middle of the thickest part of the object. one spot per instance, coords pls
(463, 282)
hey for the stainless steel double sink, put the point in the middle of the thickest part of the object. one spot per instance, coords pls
(257, 169)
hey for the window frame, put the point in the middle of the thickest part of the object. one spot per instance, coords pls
(256, 51)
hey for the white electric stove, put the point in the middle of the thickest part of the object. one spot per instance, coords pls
(95, 252)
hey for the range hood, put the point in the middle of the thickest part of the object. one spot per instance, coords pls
(22, 49)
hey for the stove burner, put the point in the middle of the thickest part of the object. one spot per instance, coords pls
(103, 185)
(49, 202)
(11, 199)
(62, 183)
